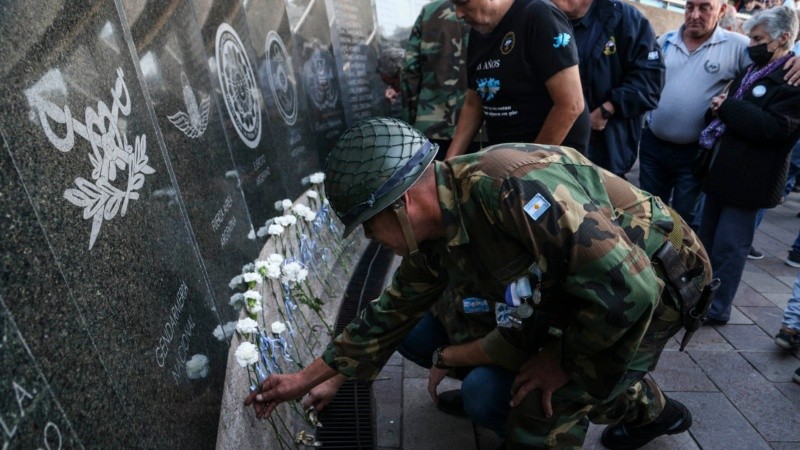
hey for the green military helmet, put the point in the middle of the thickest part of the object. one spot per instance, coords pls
(373, 163)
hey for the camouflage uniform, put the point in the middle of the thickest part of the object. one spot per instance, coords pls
(434, 83)
(592, 235)
(434, 79)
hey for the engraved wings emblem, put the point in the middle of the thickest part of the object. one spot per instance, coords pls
(193, 122)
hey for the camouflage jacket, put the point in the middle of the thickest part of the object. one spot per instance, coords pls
(512, 206)
(434, 79)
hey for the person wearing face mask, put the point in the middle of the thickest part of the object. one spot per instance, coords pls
(756, 122)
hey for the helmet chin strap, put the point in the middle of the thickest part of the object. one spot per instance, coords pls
(399, 208)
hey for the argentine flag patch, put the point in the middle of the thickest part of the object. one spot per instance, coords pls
(537, 206)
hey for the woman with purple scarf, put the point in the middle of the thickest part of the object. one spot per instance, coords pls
(756, 123)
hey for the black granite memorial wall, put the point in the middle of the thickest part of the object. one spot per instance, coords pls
(143, 144)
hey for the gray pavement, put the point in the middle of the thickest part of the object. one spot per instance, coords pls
(734, 379)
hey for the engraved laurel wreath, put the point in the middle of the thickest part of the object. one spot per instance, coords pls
(111, 153)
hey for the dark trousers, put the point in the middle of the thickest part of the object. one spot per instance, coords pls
(727, 233)
(665, 170)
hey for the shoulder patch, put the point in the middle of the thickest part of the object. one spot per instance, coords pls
(561, 40)
(537, 206)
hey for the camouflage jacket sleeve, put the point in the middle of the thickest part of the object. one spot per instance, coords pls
(601, 285)
(369, 340)
(411, 75)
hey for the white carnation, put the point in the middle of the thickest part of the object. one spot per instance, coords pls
(273, 271)
(286, 203)
(252, 295)
(261, 264)
(290, 271)
(312, 194)
(246, 354)
(317, 177)
(263, 231)
(290, 219)
(300, 209)
(279, 205)
(237, 300)
(254, 307)
(310, 216)
(276, 258)
(252, 277)
(278, 327)
(235, 282)
(247, 326)
(197, 367)
(221, 332)
(249, 267)
(275, 230)
(252, 234)
(301, 276)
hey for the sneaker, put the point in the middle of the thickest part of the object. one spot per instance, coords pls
(796, 377)
(754, 254)
(793, 259)
(787, 338)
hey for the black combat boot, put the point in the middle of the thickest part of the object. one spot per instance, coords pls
(674, 419)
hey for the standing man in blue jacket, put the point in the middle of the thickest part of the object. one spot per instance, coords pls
(621, 72)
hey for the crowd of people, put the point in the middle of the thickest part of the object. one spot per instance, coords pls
(533, 270)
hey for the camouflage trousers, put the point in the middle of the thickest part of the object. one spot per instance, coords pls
(635, 400)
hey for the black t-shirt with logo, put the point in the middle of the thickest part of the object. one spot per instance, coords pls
(509, 66)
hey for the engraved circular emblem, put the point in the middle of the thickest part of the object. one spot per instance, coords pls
(281, 78)
(507, 44)
(238, 84)
(759, 90)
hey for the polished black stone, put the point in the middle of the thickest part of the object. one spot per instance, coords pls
(143, 143)
(293, 144)
(231, 64)
(357, 50)
(173, 66)
(81, 138)
(318, 71)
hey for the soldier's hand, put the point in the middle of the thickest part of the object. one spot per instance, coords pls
(435, 377)
(539, 372)
(322, 394)
(792, 67)
(274, 390)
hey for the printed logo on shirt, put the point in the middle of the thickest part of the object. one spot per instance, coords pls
(488, 88)
(711, 67)
(490, 64)
(652, 56)
(611, 47)
(537, 206)
(507, 44)
(561, 40)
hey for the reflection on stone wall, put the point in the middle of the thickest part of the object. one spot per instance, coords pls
(144, 146)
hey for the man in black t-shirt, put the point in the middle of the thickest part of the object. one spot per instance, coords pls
(522, 71)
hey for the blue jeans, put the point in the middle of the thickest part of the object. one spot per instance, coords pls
(486, 390)
(727, 233)
(791, 315)
(665, 170)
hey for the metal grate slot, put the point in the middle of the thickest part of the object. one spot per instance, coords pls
(347, 420)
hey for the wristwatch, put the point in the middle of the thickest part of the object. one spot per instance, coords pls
(605, 113)
(438, 359)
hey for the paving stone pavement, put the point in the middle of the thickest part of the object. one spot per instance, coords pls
(734, 379)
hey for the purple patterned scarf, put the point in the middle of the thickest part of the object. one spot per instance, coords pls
(715, 129)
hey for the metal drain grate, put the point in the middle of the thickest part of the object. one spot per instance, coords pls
(347, 420)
